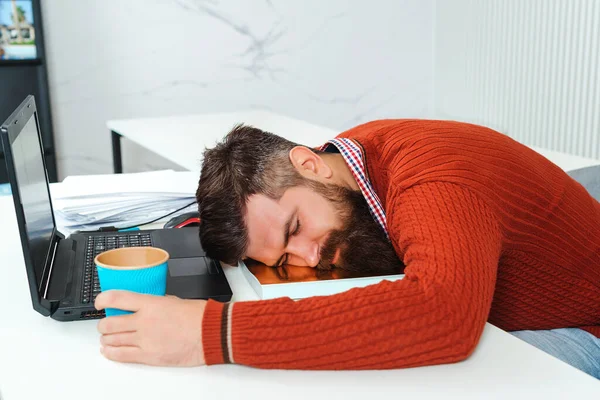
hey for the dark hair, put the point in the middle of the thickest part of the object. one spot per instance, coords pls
(248, 161)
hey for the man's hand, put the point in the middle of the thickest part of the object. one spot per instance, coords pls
(165, 331)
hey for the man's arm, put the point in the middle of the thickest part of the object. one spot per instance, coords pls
(451, 242)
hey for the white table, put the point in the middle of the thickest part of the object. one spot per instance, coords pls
(164, 136)
(43, 358)
(181, 139)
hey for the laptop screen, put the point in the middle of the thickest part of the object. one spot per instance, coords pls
(33, 190)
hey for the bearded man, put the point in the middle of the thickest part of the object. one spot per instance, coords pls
(484, 229)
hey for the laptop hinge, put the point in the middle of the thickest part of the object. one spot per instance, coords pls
(48, 264)
(62, 271)
(48, 296)
(52, 256)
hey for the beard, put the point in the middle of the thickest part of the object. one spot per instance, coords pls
(363, 245)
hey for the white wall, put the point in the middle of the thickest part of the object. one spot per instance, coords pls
(529, 68)
(336, 63)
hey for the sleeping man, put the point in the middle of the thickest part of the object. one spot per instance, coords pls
(484, 229)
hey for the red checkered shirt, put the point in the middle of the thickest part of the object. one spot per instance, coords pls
(353, 156)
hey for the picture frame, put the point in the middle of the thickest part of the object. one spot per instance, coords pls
(17, 31)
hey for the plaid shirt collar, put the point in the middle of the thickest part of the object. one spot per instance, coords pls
(353, 156)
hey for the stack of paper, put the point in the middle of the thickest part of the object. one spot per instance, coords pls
(122, 200)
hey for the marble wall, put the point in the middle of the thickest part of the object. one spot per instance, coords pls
(335, 63)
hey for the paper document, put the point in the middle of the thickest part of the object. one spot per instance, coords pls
(121, 200)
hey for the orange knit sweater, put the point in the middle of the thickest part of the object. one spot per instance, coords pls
(489, 230)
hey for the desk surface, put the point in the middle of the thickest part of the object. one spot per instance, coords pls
(181, 139)
(43, 358)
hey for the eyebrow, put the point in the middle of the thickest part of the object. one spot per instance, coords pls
(286, 237)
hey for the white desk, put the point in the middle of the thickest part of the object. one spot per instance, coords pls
(181, 139)
(43, 358)
(164, 136)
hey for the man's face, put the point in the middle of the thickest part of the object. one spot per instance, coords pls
(323, 226)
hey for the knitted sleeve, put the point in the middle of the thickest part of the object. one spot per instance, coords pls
(450, 241)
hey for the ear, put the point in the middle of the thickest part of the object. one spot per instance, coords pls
(309, 164)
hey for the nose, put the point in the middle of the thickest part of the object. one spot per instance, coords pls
(303, 253)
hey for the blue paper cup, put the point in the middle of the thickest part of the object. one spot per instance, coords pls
(137, 269)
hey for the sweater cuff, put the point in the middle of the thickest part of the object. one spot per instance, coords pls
(216, 333)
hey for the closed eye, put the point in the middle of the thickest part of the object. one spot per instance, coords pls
(282, 273)
(285, 258)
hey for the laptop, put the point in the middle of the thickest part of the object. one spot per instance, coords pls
(62, 277)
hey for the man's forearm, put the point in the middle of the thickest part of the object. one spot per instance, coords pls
(389, 325)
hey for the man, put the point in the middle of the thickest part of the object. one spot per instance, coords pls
(484, 229)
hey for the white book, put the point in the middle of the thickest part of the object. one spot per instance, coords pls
(269, 284)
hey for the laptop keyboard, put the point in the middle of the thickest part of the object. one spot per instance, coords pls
(96, 245)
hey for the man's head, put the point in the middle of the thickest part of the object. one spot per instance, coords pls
(263, 197)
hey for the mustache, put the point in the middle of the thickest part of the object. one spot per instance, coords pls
(333, 242)
(362, 251)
